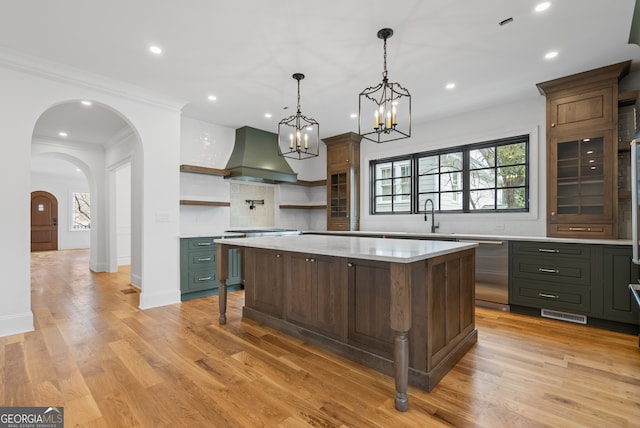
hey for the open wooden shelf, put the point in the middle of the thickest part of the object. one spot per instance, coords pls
(204, 170)
(310, 183)
(205, 203)
(303, 207)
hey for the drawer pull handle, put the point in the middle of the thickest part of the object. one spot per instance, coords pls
(310, 259)
(204, 259)
(548, 250)
(206, 278)
(579, 229)
(203, 244)
(549, 296)
(547, 270)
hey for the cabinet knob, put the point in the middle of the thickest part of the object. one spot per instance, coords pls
(278, 255)
(350, 264)
(553, 213)
(553, 125)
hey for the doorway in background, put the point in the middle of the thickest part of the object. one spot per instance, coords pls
(44, 221)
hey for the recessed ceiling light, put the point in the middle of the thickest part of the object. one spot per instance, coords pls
(450, 85)
(62, 134)
(551, 55)
(155, 50)
(78, 170)
(267, 115)
(86, 103)
(354, 115)
(543, 6)
(212, 98)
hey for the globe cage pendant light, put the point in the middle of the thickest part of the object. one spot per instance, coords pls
(384, 112)
(298, 135)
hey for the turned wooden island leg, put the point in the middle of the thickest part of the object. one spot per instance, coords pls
(401, 324)
(222, 266)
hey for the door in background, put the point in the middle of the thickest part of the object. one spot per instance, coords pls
(44, 221)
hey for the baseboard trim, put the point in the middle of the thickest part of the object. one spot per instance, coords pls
(16, 324)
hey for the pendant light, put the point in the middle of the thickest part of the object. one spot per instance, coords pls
(298, 135)
(384, 112)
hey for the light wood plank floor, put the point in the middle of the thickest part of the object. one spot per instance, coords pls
(112, 365)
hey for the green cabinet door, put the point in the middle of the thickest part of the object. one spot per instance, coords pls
(617, 302)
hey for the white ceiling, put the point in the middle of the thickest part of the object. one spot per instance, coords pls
(245, 52)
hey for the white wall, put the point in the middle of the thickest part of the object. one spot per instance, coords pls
(523, 117)
(62, 187)
(29, 89)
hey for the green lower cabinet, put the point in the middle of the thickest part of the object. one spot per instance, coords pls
(581, 279)
(617, 302)
(198, 271)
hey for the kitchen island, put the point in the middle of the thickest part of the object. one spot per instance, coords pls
(403, 307)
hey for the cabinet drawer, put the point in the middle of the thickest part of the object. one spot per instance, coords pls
(201, 260)
(551, 296)
(201, 280)
(200, 243)
(604, 230)
(551, 250)
(546, 269)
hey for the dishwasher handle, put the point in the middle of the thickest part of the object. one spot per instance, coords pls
(481, 242)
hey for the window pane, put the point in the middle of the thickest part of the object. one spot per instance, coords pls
(402, 185)
(512, 154)
(401, 204)
(511, 198)
(482, 158)
(383, 170)
(383, 205)
(451, 181)
(428, 183)
(402, 168)
(482, 179)
(511, 176)
(482, 200)
(81, 211)
(451, 162)
(428, 165)
(383, 187)
(451, 201)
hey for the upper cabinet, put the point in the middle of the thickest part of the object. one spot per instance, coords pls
(343, 179)
(582, 146)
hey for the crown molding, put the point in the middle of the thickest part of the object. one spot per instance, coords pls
(64, 74)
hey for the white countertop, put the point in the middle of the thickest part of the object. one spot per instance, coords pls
(388, 250)
(210, 235)
(475, 237)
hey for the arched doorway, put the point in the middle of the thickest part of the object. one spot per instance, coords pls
(95, 138)
(44, 221)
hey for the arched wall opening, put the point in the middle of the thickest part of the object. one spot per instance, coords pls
(101, 143)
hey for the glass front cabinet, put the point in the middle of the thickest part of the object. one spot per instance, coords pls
(581, 190)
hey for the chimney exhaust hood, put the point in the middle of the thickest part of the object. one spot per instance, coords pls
(256, 157)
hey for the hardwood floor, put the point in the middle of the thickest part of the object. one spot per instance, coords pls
(112, 365)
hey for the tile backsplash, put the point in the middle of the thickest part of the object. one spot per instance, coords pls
(261, 215)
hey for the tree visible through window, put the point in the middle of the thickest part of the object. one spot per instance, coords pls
(81, 211)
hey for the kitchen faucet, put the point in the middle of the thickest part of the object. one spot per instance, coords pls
(433, 215)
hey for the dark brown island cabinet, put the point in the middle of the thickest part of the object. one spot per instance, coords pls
(410, 315)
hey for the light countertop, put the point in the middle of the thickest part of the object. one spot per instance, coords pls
(211, 235)
(367, 248)
(470, 236)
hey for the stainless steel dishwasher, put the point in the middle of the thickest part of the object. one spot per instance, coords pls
(492, 273)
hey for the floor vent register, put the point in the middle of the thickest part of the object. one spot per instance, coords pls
(563, 316)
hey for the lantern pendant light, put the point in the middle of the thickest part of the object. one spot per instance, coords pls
(298, 135)
(384, 112)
